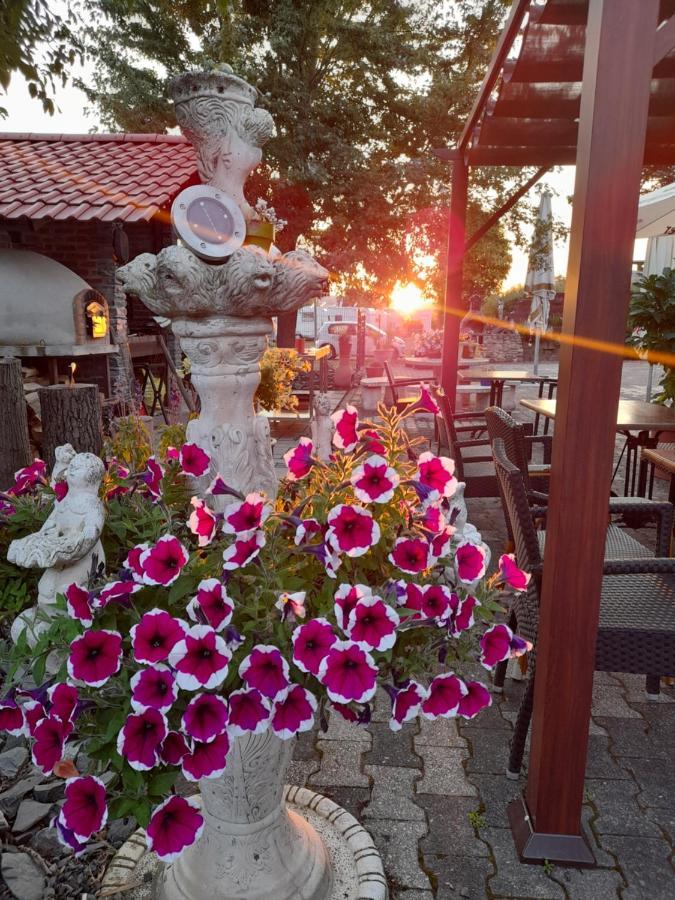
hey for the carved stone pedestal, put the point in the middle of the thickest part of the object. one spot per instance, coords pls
(224, 354)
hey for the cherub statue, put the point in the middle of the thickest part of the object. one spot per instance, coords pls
(322, 426)
(69, 541)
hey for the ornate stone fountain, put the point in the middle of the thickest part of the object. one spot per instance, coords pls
(260, 841)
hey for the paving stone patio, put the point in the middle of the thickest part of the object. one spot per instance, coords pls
(434, 795)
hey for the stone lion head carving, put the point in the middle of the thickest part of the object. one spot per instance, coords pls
(244, 283)
(298, 278)
(138, 277)
(183, 281)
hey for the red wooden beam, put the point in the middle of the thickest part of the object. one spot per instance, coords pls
(665, 39)
(613, 118)
(453, 307)
(508, 35)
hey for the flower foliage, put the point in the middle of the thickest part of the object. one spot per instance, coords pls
(230, 615)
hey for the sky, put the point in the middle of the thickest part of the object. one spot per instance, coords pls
(27, 115)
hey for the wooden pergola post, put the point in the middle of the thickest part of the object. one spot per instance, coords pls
(617, 70)
(453, 307)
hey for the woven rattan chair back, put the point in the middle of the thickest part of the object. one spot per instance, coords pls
(501, 425)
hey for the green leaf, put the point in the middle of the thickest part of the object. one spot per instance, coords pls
(160, 785)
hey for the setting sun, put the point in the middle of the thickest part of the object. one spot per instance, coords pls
(407, 298)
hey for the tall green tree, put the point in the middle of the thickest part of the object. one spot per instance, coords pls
(360, 90)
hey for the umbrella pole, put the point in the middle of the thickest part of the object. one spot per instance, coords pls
(649, 384)
(535, 369)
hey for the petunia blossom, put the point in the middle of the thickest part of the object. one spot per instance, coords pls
(512, 575)
(470, 562)
(441, 544)
(11, 718)
(153, 638)
(437, 475)
(243, 551)
(84, 811)
(411, 554)
(133, 561)
(250, 712)
(174, 825)
(352, 529)
(375, 481)
(67, 839)
(372, 443)
(205, 717)
(247, 515)
(346, 597)
(202, 522)
(200, 659)
(174, 748)
(436, 601)
(33, 713)
(477, 697)
(299, 460)
(163, 563)
(152, 477)
(425, 402)
(292, 606)
(206, 759)
(63, 699)
(433, 519)
(444, 695)
(499, 643)
(410, 595)
(463, 617)
(306, 529)
(50, 736)
(95, 657)
(266, 670)
(406, 704)
(26, 479)
(219, 487)
(141, 737)
(346, 422)
(117, 592)
(193, 460)
(373, 624)
(293, 712)
(78, 604)
(348, 673)
(211, 605)
(154, 688)
(311, 643)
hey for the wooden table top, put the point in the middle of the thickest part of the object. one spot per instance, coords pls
(633, 415)
(662, 457)
(496, 374)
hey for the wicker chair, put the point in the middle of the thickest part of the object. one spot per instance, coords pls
(471, 466)
(518, 444)
(636, 629)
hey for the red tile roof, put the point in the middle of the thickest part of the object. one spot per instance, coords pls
(92, 177)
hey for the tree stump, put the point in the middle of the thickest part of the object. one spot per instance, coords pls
(14, 443)
(71, 414)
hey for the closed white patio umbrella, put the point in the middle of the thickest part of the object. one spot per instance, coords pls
(540, 280)
(656, 213)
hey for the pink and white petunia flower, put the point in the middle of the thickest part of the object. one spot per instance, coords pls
(346, 597)
(436, 602)
(219, 487)
(154, 688)
(433, 519)
(205, 717)
(246, 516)
(410, 595)
(163, 563)
(293, 712)
(174, 825)
(373, 624)
(441, 544)
(95, 657)
(444, 696)
(266, 670)
(26, 479)
(78, 605)
(470, 562)
(406, 705)
(425, 402)
(67, 839)
(133, 561)
(499, 643)
(299, 460)
(348, 673)
(511, 574)
(211, 605)
(372, 443)
(202, 522)
(200, 659)
(477, 697)
(243, 551)
(152, 477)
(250, 712)
(115, 592)
(436, 475)
(352, 529)
(311, 643)
(193, 460)
(306, 529)
(84, 811)
(375, 480)
(141, 737)
(12, 718)
(63, 699)
(173, 749)
(346, 421)
(411, 554)
(292, 606)
(33, 713)
(155, 636)
(50, 736)
(206, 759)
(172, 454)
(463, 617)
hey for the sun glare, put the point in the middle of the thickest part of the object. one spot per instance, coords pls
(407, 298)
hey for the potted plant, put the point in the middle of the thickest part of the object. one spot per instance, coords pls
(217, 637)
(651, 323)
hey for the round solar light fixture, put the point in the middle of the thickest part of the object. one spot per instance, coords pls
(208, 221)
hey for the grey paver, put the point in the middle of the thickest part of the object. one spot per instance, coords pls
(339, 729)
(463, 878)
(438, 733)
(340, 764)
(450, 830)
(618, 809)
(583, 884)
(391, 748)
(397, 843)
(444, 773)
(600, 763)
(353, 799)
(645, 864)
(610, 702)
(513, 879)
(300, 770)
(393, 788)
(489, 751)
(631, 738)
